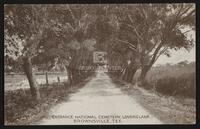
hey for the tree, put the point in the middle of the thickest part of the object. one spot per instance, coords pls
(125, 41)
(24, 26)
(157, 28)
(167, 33)
(69, 36)
(182, 63)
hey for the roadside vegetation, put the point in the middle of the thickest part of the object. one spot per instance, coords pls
(21, 109)
(65, 37)
(172, 80)
(169, 92)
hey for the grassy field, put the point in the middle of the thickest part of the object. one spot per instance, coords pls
(21, 109)
(18, 104)
(14, 78)
(19, 81)
(173, 80)
(168, 109)
(169, 94)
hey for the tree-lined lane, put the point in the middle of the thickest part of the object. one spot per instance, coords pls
(99, 97)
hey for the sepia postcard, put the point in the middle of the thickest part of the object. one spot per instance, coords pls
(100, 64)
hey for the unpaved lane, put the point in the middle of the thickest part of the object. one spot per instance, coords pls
(100, 98)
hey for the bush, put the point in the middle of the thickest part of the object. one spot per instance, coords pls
(180, 86)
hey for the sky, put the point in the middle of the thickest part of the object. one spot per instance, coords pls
(177, 56)
(180, 55)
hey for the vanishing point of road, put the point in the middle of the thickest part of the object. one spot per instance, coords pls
(99, 102)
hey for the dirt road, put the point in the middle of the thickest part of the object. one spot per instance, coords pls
(99, 102)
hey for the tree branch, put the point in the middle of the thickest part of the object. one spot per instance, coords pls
(155, 54)
(187, 31)
(135, 30)
(179, 10)
(151, 49)
(73, 17)
(185, 11)
(129, 44)
(161, 52)
(184, 18)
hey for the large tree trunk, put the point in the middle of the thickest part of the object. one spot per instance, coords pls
(30, 76)
(144, 71)
(124, 72)
(75, 76)
(47, 81)
(69, 74)
(131, 75)
(129, 72)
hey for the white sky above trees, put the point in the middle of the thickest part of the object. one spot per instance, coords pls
(177, 56)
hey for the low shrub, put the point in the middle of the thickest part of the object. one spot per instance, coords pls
(179, 86)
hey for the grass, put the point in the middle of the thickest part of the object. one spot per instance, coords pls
(15, 78)
(169, 94)
(20, 109)
(19, 81)
(171, 80)
(168, 109)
